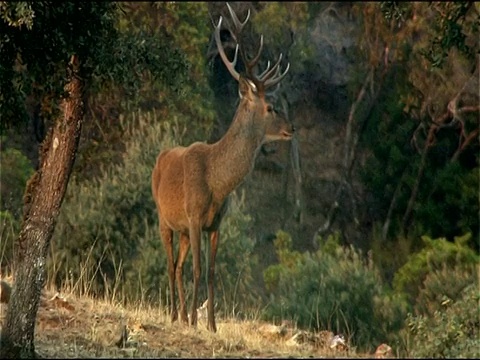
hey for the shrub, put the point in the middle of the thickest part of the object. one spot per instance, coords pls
(436, 254)
(9, 228)
(334, 288)
(445, 282)
(452, 331)
(15, 172)
(108, 226)
(107, 234)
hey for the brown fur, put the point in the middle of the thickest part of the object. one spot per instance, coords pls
(191, 185)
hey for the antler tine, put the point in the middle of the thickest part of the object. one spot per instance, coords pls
(238, 24)
(274, 70)
(274, 75)
(276, 79)
(265, 71)
(229, 64)
(238, 27)
(270, 76)
(254, 61)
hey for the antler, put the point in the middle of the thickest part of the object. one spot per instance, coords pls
(269, 77)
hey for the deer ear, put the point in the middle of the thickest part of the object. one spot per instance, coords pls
(246, 88)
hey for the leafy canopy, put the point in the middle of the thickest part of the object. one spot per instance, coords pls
(38, 38)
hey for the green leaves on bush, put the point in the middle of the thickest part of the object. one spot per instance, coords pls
(446, 282)
(111, 221)
(334, 288)
(436, 254)
(15, 171)
(108, 228)
(452, 331)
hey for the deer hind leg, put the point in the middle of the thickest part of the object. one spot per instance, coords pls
(183, 248)
(211, 277)
(167, 237)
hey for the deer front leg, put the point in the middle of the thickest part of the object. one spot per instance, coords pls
(167, 236)
(195, 242)
(184, 246)
(211, 277)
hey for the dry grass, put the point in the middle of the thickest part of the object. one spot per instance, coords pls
(79, 326)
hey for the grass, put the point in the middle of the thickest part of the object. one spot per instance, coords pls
(72, 325)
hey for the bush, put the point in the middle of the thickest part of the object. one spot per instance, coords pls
(434, 256)
(452, 332)
(9, 228)
(15, 172)
(333, 288)
(446, 282)
(107, 233)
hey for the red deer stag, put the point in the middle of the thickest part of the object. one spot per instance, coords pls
(191, 185)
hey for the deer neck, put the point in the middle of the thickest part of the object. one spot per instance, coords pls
(233, 156)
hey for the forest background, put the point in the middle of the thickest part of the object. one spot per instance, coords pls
(366, 224)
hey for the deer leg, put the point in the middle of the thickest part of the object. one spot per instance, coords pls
(184, 246)
(195, 239)
(211, 278)
(167, 237)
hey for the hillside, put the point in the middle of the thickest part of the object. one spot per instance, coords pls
(79, 326)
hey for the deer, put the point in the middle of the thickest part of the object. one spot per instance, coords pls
(191, 185)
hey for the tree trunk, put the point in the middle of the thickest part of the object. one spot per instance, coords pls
(43, 198)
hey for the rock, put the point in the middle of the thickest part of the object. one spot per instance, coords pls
(383, 352)
(338, 343)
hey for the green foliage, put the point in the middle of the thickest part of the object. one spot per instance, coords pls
(446, 203)
(236, 262)
(334, 288)
(288, 260)
(108, 227)
(454, 187)
(15, 170)
(9, 228)
(34, 57)
(112, 219)
(17, 14)
(452, 331)
(159, 64)
(285, 27)
(435, 254)
(139, 57)
(382, 251)
(393, 161)
(445, 282)
(116, 59)
(452, 23)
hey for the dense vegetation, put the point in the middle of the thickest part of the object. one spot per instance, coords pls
(408, 194)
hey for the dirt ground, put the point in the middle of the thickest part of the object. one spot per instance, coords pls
(69, 326)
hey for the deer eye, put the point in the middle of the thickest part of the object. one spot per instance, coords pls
(269, 108)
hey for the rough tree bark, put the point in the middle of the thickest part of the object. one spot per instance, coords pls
(43, 197)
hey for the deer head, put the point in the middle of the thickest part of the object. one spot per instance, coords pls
(253, 87)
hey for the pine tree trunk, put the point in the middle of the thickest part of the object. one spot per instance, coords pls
(43, 198)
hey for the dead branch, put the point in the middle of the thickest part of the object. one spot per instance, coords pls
(393, 204)
(347, 154)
